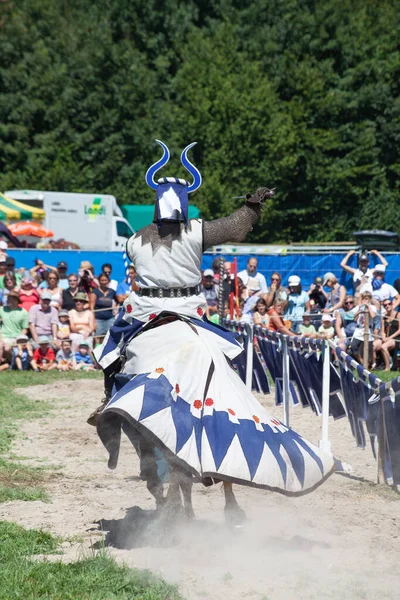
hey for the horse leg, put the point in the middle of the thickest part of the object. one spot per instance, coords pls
(186, 483)
(234, 515)
(148, 472)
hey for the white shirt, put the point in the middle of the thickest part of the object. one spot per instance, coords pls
(358, 275)
(385, 292)
(254, 282)
(359, 330)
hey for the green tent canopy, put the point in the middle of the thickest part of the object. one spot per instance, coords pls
(12, 210)
(140, 215)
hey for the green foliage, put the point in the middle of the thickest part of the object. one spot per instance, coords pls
(301, 95)
(94, 578)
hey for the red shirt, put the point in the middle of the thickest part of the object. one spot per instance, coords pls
(40, 355)
(26, 301)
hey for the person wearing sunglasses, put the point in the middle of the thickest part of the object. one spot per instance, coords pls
(53, 288)
(390, 332)
(345, 324)
(276, 290)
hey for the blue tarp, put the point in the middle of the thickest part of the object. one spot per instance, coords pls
(306, 266)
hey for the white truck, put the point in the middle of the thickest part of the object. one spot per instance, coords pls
(93, 221)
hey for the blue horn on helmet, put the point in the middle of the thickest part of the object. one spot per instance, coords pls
(191, 168)
(157, 165)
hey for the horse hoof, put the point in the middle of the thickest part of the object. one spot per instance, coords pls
(235, 516)
(189, 513)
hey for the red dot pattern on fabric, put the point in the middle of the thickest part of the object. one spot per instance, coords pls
(200, 311)
(209, 402)
(177, 388)
(197, 404)
(152, 316)
(275, 422)
(231, 412)
(128, 308)
(257, 420)
(160, 370)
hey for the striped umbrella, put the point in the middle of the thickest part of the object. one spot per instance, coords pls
(12, 210)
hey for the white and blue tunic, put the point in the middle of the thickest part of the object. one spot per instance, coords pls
(178, 388)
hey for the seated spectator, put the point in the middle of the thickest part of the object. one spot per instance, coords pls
(390, 332)
(83, 359)
(357, 342)
(69, 294)
(336, 295)
(63, 329)
(9, 283)
(102, 302)
(276, 290)
(344, 323)
(14, 322)
(363, 274)
(306, 328)
(107, 269)
(81, 321)
(260, 316)
(53, 288)
(298, 302)
(228, 283)
(252, 278)
(44, 355)
(210, 291)
(215, 266)
(43, 319)
(65, 357)
(326, 330)
(127, 285)
(381, 290)
(276, 321)
(317, 295)
(10, 266)
(22, 355)
(3, 268)
(28, 295)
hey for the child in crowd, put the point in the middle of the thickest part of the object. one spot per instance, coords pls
(65, 358)
(63, 330)
(306, 328)
(326, 330)
(44, 355)
(83, 359)
(22, 355)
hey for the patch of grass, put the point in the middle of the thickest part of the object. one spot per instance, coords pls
(94, 578)
(17, 482)
(386, 375)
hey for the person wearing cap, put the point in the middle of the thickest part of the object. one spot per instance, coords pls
(252, 278)
(363, 274)
(22, 355)
(3, 246)
(83, 359)
(381, 290)
(62, 269)
(63, 328)
(28, 295)
(81, 321)
(43, 318)
(210, 290)
(44, 355)
(298, 302)
(14, 322)
(326, 330)
(336, 295)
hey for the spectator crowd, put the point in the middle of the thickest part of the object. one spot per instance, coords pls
(326, 310)
(51, 318)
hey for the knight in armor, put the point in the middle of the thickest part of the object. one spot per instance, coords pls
(173, 384)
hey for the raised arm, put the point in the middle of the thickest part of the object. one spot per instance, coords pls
(380, 257)
(344, 264)
(236, 226)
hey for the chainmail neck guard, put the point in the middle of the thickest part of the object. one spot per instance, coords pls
(163, 236)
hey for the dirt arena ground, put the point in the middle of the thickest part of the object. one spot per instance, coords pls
(339, 542)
